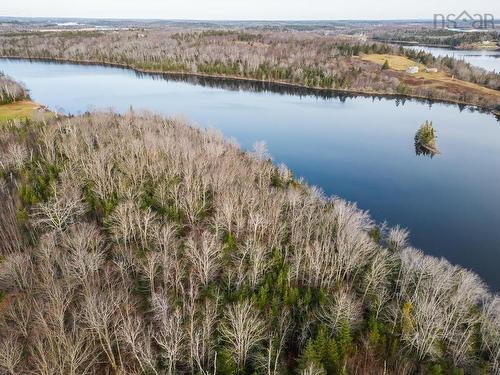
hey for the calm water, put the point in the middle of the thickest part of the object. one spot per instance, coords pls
(358, 148)
(489, 60)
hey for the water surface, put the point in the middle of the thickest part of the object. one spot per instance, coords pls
(361, 148)
(489, 60)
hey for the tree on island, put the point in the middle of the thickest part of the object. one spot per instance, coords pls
(425, 140)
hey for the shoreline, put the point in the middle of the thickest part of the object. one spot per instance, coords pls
(255, 80)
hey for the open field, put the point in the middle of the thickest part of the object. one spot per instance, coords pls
(17, 110)
(396, 62)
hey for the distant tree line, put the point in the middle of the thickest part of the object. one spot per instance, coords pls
(438, 37)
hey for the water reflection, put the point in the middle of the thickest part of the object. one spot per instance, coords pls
(422, 150)
(230, 84)
(238, 85)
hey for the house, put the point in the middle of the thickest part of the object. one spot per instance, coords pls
(412, 70)
(42, 109)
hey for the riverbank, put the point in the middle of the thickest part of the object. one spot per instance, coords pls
(283, 83)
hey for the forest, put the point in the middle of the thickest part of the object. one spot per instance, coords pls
(310, 59)
(438, 37)
(137, 244)
(10, 90)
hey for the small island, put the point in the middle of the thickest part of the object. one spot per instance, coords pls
(425, 140)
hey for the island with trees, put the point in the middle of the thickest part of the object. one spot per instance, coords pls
(425, 140)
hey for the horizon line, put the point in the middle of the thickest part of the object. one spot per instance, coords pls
(217, 20)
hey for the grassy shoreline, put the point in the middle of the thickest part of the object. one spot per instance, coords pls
(247, 79)
(20, 109)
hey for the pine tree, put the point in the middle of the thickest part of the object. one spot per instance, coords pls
(344, 342)
(331, 357)
(225, 363)
(373, 331)
(309, 355)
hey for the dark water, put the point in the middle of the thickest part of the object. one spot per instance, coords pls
(489, 60)
(359, 148)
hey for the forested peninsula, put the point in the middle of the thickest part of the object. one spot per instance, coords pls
(137, 244)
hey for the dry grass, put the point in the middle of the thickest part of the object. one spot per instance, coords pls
(17, 110)
(446, 79)
(396, 62)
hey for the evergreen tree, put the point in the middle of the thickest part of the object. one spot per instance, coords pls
(309, 356)
(331, 357)
(344, 342)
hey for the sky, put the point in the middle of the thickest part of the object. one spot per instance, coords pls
(246, 9)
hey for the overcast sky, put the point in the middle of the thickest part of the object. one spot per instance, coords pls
(246, 9)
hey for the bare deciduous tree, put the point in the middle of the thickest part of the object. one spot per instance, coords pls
(179, 223)
(344, 308)
(313, 369)
(242, 330)
(137, 338)
(58, 213)
(101, 314)
(11, 352)
(169, 333)
(397, 238)
(204, 256)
